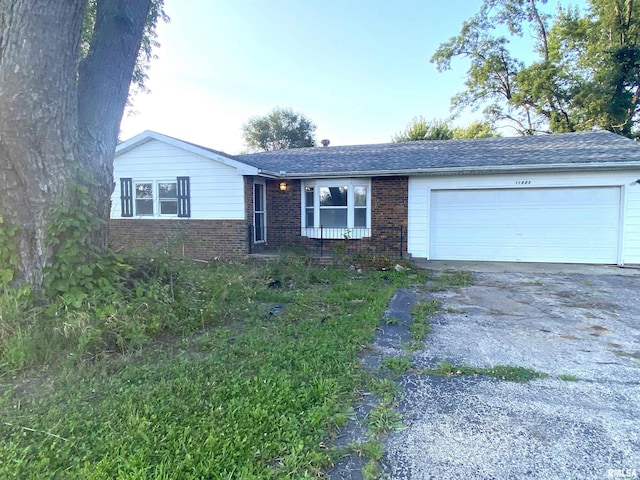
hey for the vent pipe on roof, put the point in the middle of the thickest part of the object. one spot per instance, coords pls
(325, 142)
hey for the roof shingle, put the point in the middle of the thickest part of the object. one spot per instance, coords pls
(571, 149)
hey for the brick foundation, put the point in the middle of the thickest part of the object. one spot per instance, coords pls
(197, 239)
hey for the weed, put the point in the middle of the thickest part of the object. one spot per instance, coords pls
(422, 313)
(371, 470)
(385, 418)
(208, 388)
(386, 389)
(414, 345)
(501, 372)
(635, 355)
(450, 279)
(373, 449)
(453, 310)
(568, 377)
(397, 365)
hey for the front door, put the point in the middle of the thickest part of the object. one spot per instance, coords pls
(259, 213)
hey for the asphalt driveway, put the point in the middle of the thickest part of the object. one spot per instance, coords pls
(583, 326)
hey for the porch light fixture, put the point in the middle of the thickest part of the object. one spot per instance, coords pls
(283, 186)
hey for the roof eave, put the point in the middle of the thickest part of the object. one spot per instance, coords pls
(480, 170)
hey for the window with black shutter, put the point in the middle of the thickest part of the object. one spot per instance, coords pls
(184, 197)
(126, 197)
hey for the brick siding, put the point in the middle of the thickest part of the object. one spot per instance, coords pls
(208, 239)
(197, 239)
(389, 213)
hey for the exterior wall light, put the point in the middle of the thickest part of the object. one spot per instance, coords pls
(283, 186)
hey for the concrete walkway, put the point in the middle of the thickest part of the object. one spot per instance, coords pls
(524, 267)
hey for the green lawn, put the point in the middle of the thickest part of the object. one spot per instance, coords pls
(250, 381)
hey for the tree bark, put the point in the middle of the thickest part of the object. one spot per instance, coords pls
(103, 87)
(58, 121)
(38, 57)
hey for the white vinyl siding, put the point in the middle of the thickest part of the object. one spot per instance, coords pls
(562, 217)
(631, 243)
(217, 190)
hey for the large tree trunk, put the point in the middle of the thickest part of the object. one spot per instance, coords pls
(59, 123)
(103, 87)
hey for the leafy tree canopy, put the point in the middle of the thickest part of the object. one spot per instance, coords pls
(586, 72)
(421, 129)
(281, 128)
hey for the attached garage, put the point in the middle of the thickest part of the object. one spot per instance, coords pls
(561, 217)
(576, 225)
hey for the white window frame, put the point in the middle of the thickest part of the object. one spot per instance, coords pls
(336, 232)
(156, 198)
(263, 212)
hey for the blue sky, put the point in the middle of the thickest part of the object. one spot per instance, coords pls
(358, 68)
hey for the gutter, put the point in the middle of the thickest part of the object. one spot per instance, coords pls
(270, 174)
(441, 171)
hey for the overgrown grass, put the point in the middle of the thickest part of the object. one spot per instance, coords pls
(191, 373)
(449, 279)
(396, 365)
(501, 372)
(422, 313)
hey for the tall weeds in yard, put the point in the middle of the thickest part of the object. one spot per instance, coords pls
(232, 390)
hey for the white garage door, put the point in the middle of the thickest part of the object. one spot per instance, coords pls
(569, 225)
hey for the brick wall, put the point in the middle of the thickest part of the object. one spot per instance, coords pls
(283, 214)
(389, 213)
(389, 201)
(207, 239)
(198, 239)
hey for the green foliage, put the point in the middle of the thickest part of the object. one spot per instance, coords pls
(397, 365)
(371, 470)
(211, 386)
(78, 266)
(9, 257)
(586, 74)
(450, 279)
(373, 449)
(501, 372)
(385, 418)
(421, 129)
(279, 129)
(475, 130)
(422, 313)
(385, 388)
(568, 377)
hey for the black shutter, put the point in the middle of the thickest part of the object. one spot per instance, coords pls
(184, 197)
(126, 197)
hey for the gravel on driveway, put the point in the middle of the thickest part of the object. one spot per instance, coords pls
(582, 325)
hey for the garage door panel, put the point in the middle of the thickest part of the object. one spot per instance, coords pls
(529, 224)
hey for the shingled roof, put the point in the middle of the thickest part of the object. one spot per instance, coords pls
(584, 150)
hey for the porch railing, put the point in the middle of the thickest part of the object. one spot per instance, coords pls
(328, 241)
